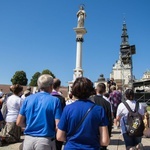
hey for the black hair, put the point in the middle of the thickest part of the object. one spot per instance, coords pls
(129, 93)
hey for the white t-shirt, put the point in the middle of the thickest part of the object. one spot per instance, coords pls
(23, 97)
(69, 101)
(13, 103)
(122, 112)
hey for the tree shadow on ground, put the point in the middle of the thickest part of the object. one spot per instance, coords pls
(146, 147)
(6, 144)
(116, 132)
(116, 142)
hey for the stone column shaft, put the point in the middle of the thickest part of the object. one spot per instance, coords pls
(79, 55)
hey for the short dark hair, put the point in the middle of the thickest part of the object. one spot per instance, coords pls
(56, 83)
(101, 88)
(129, 93)
(82, 88)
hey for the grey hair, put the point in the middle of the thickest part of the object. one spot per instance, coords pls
(44, 81)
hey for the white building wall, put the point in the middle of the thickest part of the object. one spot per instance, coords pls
(118, 74)
(146, 75)
(121, 72)
(127, 75)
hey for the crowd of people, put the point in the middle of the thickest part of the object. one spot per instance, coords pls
(84, 121)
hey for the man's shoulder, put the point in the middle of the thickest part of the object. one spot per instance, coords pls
(40, 95)
(59, 97)
(101, 99)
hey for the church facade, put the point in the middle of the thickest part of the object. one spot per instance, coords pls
(122, 73)
(146, 75)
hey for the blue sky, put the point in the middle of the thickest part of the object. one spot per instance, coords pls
(38, 34)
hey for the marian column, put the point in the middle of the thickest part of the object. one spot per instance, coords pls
(80, 31)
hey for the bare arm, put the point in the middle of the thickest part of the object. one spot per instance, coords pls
(61, 135)
(56, 123)
(104, 136)
(118, 118)
(21, 121)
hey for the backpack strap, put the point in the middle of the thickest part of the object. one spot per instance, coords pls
(137, 106)
(127, 106)
(81, 121)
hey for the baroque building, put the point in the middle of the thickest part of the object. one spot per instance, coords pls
(122, 72)
(146, 75)
(101, 79)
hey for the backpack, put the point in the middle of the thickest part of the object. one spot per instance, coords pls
(134, 124)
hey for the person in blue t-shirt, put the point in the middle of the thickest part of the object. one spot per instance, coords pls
(93, 132)
(40, 114)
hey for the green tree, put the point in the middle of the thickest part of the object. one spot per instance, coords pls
(46, 71)
(34, 79)
(19, 78)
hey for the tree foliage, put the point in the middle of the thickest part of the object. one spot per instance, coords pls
(46, 71)
(34, 79)
(19, 78)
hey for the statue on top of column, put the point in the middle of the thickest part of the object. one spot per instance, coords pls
(81, 14)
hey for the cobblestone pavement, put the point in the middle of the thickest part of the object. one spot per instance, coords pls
(116, 143)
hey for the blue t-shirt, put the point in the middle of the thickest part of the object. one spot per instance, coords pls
(40, 111)
(87, 135)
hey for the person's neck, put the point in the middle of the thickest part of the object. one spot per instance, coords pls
(48, 90)
(99, 94)
(56, 90)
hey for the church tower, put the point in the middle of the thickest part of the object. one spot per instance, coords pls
(122, 72)
(124, 36)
